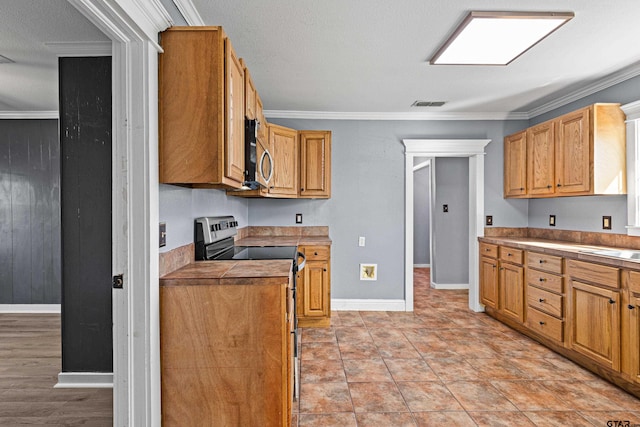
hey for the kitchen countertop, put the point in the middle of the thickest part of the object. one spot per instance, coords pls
(283, 241)
(565, 249)
(246, 272)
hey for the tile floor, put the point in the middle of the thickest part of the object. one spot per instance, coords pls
(444, 365)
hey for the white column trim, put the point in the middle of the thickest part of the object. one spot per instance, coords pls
(632, 111)
(474, 149)
(189, 12)
(133, 27)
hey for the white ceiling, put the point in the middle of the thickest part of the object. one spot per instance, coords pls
(353, 56)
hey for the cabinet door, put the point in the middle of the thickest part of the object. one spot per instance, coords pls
(234, 139)
(284, 146)
(594, 323)
(512, 291)
(633, 348)
(573, 153)
(515, 165)
(249, 95)
(263, 132)
(315, 164)
(316, 289)
(489, 282)
(541, 155)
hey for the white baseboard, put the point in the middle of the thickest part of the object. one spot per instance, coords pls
(450, 286)
(368, 305)
(85, 380)
(421, 265)
(30, 308)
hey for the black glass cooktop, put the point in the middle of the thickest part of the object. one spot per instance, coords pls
(259, 252)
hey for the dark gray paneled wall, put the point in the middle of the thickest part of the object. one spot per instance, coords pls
(421, 214)
(368, 174)
(85, 135)
(451, 229)
(29, 212)
(585, 213)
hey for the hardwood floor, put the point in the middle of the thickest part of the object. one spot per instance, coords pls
(30, 360)
(444, 365)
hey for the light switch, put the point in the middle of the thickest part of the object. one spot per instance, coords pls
(361, 241)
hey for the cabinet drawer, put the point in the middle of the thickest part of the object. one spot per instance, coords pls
(545, 301)
(595, 273)
(511, 255)
(544, 262)
(315, 253)
(545, 324)
(547, 281)
(634, 281)
(489, 250)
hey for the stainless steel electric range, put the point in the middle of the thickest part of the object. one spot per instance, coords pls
(214, 238)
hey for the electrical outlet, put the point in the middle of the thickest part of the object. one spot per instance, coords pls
(163, 234)
(361, 241)
(445, 208)
(298, 218)
(552, 220)
(489, 220)
(606, 223)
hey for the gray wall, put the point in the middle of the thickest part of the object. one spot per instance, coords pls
(179, 206)
(451, 229)
(585, 213)
(421, 214)
(29, 212)
(368, 196)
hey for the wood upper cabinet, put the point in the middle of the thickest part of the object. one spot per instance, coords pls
(201, 109)
(263, 129)
(284, 149)
(515, 165)
(250, 110)
(315, 164)
(579, 153)
(314, 288)
(541, 155)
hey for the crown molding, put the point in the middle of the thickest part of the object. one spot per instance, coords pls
(189, 12)
(608, 81)
(337, 115)
(632, 110)
(12, 115)
(102, 48)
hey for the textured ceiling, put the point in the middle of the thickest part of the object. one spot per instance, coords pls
(372, 56)
(355, 56)
(31, 82)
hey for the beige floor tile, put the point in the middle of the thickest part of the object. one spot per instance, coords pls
(532, 396)
(386, 419)
(377, 397)
(347, 419)
(558, 418)
(479, 396)
(366, 370)
(316, 371)
(443, 418)
(501, 419)
(410, 370)
(318, 398)
(428, 396)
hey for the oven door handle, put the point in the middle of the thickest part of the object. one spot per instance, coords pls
(304, 261)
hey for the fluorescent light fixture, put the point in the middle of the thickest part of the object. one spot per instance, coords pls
(497, 38)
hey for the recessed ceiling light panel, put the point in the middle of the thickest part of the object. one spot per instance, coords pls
(497, 38)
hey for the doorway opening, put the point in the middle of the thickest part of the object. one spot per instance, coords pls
(473, 149)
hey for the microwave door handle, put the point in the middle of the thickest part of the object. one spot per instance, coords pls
(304, 261)
(266, 153)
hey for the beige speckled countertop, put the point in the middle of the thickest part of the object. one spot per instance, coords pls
(284, 241)
(565, 249)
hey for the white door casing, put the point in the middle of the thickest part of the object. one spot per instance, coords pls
(133, 28)
(433, 148)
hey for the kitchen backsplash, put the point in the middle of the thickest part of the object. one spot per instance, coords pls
(583, 237)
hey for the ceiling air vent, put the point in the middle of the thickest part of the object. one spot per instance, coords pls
(428, 104)
(5, 60)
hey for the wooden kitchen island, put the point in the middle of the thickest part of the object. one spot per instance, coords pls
(226, 344)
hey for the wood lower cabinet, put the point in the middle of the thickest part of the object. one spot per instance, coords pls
(226, 353)
(631, 326)
(315, 164)
(489, 294)
(545, 312)
(512, 291)
(502, 280)
(201, 109)
(314, 287)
